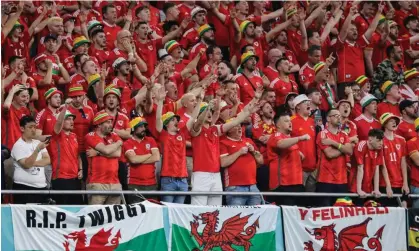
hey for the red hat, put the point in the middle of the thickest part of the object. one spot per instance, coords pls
(40, 58)
(76, 90)
(101, 117)
(51, 92)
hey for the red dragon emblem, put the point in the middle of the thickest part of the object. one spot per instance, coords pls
(98, 242)
(349, 238)
(231, 232)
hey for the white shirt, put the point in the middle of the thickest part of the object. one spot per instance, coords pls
(34, 176)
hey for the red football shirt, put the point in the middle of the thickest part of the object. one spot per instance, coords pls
(370, 159)
(260, 129)
(285, 161)
(185, 11)
(126, 87)
(406, 130)
(270, 73)
(91, 15)
(350, 129)
(394, 150)
(102, 169)
(282, 89)
(413, 147)
(82, 124)
(64, 152)
(222, 33)
(301, 126)
(77, 78)
(10, 128)
(141, 174)
(45, 121)
(111, 31)
(362, 23)
(307, 75)
(356, 111)
(243, 171)
(364, 126)
(101, 55)
(331, 171)
(19, 48)
(247, 87)
(189, 38)
(148, 52)
(350, 59)
(174, 154)
(206, 150)
(195, 50)
(42, 89)
(386, 106)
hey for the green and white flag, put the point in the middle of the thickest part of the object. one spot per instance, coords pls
(94, 228)
(222, 228)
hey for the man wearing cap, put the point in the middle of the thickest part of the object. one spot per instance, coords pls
(285, 160)
(413, 151)
(409, 111)
(394, 178)
(334, 147)
(83, 122)
(366, 121)
(391, 69)
(206, 149)
(47, 77)
(302, 124)
(141, 153)
(206, 34)
(240, 159)
(147, 47)
(368, 155)
(283, 84)
(410, 89)
(64, 153)
(391, 102)
(261, 132)
(248, 82)
(191, 36)
(173, 144)
(104, 151)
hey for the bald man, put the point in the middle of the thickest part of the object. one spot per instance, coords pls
(270, 71)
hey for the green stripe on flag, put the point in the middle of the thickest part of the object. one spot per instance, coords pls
(154, 240)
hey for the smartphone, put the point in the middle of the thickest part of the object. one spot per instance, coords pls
(47, 139)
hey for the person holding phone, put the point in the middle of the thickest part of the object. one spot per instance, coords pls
(29, 159)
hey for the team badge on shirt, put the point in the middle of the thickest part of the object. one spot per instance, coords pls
(179, 138)
(147, 146)
(150, 47)
(398, 146)
(120, 122)
(342, 140)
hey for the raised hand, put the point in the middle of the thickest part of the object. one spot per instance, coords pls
(330, 59)
(161, 94)
(301, 14)
(83, 17)
(353, 10)
(259, 92)
(49, 63)
(57, 58)
(104, 71)
(185, 22)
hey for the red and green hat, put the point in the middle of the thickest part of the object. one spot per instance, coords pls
(17, 25)
(386, 86)
(246, 56)
(79, 41)
(76, 90)
(361, 80)
(51, 92)
(204, 28)
(291, 12)
(101, 117)
(171, 45)
(244, 25)
(69, 114)
(410, 74)
(318, 67)
(112, 90)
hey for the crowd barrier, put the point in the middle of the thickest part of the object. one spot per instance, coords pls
(149, 226)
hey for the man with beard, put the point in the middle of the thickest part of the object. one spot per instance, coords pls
(346, 125)
(142, 153)
(302, 124)
(55, 28)
(240, 159)
(206, 175)
(29, 159)
(103, 165)
(261, 132)
(83, 120)
(247, 80)
(173, 144)
(307, 73)
(324, 85)
(366, 121)
(80, 46)
(333, 147)
(66, 164)
(390, 69)
(283, 85)
(47, 117)
(206, 33)
(281, 43)
(78, 77)
(411, 23)
(394, 178)
(191, 36)
(410, 89)
(285, 161)
(406, 128)
(349, 49)
(122, 70)
(45, 77)
(224, 72)
(214, 57)
(98, 47)
(391, 102)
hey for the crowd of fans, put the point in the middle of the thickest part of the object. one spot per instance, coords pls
(244, 96)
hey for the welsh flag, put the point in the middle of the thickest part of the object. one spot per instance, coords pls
(222, 228)
(94, 228)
